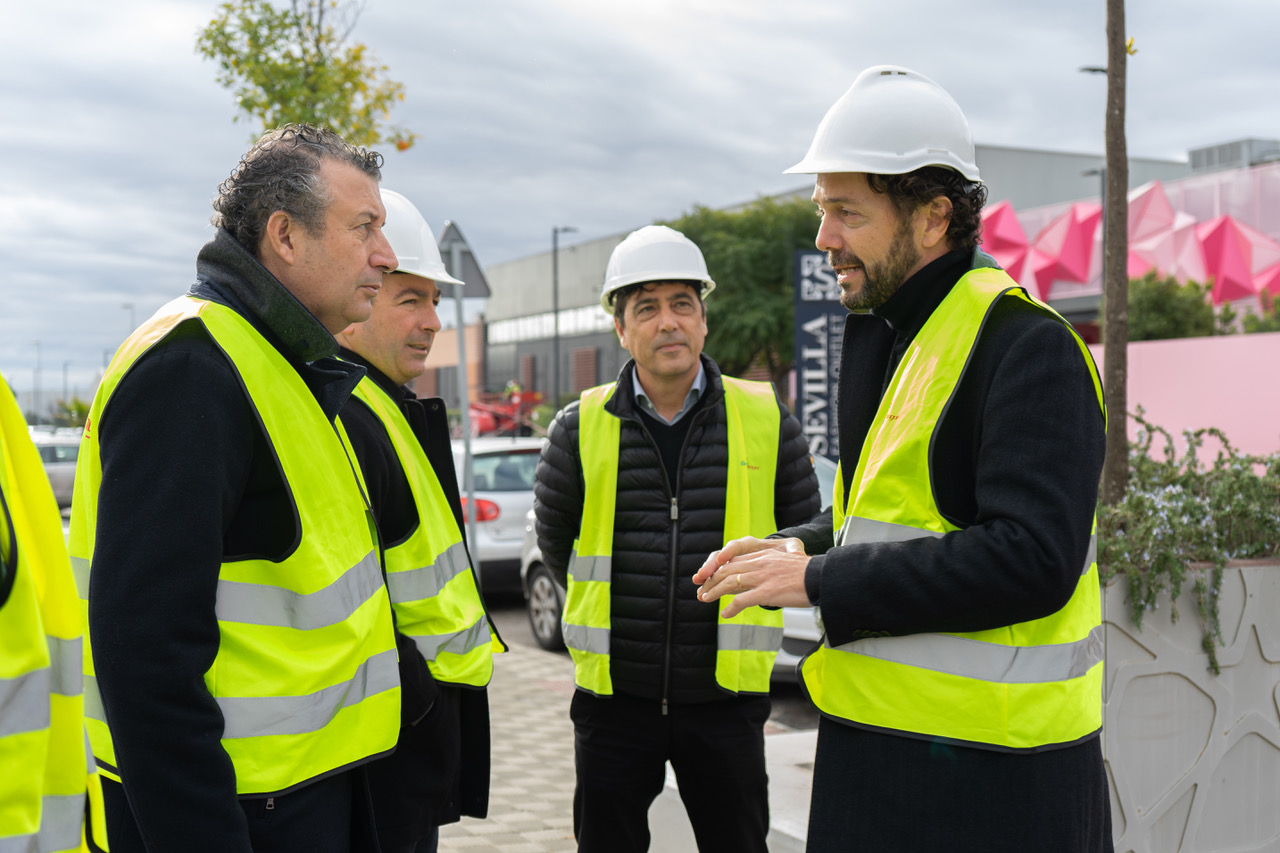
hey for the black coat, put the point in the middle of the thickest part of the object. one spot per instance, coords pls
(1015, 464)
(189, 481)
(662, 639)
(440, 769)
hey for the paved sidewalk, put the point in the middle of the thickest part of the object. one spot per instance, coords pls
(531, 788)
(531, 792)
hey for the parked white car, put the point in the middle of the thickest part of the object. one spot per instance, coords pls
(58, 451)
(502, 470)
(545, 597)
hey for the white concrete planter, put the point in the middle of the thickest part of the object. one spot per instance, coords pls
(1193, 757)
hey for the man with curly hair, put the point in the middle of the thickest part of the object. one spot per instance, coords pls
(960, 675)
(243, 663)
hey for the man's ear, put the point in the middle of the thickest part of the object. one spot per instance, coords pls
(936, 217)
(279, 238)
(622, 332)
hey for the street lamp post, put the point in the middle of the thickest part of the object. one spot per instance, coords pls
(128, 306)
(35, 387)
(556, 231)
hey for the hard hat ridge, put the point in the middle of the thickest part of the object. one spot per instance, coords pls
(654, 253)
(891, 121)
(411, 239)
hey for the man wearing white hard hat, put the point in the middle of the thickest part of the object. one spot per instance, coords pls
(960, 675)
(638, 480)
(440, 769)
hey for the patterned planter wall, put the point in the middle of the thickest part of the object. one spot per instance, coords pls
(1194, 758)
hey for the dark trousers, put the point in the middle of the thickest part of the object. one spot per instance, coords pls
(332, 815)
(621, 746)
(875, 792)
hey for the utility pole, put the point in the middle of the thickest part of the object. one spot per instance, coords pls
(556, 231)
(454, 248)
(1115, 273)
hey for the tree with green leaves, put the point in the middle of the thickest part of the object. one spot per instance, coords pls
(1161, 308)
(294, 64)
(1268, 320)
(750, 253)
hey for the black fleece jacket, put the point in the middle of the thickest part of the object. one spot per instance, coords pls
(1015, 464)
(188, 481)
(662, 639)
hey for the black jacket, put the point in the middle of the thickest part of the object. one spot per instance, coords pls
(662, 639)
(1015, 464)
(440, 769)
(188, 481)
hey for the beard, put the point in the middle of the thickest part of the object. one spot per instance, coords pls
(881, 279)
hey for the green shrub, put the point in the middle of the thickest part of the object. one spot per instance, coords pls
(1179, 512)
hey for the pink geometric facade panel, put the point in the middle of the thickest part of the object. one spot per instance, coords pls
(1173, 252)
(1037, 274)
(1004, 239)
(1228, 258)
(1166, 223)
(1150, 213)
(1068, 240)
(1268, 280)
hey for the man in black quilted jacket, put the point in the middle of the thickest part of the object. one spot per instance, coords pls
(639, 481)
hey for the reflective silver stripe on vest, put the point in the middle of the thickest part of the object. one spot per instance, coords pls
(68, 666)
(265, 716)
(856, 530)
(991, 662)
(748, 638)
(584, 639)
(458, 642)
(80, 569)
(428, 581)
(261, 604)
(590, 568)
(24, 701)
(93, 700)
(859, 530)
(61, 820)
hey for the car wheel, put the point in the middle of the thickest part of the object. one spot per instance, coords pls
(546, 605)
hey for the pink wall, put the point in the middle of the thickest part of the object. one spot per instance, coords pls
(1230, 382)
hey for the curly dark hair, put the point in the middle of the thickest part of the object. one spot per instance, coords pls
(282, 172)
(909, 191)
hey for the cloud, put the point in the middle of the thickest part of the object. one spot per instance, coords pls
(536, 113)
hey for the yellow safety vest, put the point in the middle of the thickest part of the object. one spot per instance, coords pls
(746, 644)
(432, 587)
(47, 769)
(306, 674)
(1024, 687)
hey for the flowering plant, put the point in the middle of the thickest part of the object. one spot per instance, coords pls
(1181, 518)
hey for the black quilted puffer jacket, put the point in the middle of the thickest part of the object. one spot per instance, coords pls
(663, 640)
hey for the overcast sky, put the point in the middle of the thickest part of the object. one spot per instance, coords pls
(600, 114)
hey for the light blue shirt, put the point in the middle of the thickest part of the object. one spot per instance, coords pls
(699, 384)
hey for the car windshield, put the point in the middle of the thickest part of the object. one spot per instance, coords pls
(505, 472)
(59, 452)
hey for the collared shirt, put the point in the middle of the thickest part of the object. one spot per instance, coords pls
(699, 383)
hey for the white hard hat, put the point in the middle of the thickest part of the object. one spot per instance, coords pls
(654, 253)
(411, 239)
(891, 121)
